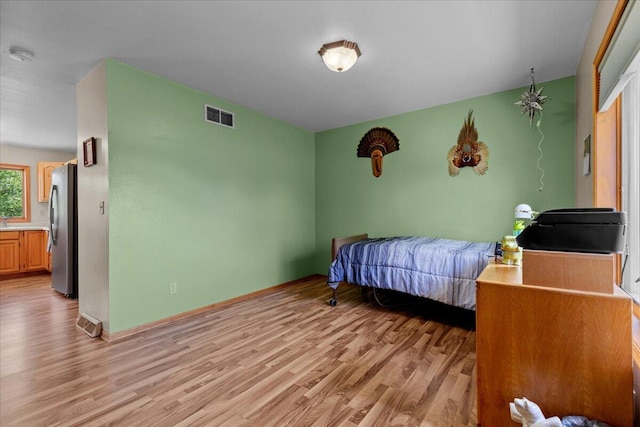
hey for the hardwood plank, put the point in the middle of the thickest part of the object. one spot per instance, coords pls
(279, 358)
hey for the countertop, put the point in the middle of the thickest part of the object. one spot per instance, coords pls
(25, 227)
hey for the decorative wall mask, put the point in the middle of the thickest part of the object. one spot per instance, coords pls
(377, 143)
(468, 151)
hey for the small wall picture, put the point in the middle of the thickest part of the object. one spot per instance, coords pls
(89, 149)
(586, 158)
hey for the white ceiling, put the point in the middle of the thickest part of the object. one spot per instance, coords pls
(263, 55)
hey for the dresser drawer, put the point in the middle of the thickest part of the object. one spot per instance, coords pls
(9, 235)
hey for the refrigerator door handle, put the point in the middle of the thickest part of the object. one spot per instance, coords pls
(53, 216)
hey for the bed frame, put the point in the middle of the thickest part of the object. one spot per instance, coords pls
(336, 244)
(452, 282)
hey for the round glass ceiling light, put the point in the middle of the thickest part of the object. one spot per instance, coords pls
(20, 54)
(340, 56)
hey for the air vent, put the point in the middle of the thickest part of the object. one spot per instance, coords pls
(220, 117)
(89, 325)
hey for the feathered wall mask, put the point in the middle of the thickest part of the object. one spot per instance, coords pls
(468, 151)
(377, 143)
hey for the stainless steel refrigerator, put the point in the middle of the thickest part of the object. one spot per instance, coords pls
(63, 230)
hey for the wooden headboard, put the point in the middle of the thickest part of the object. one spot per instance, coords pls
(337, 242)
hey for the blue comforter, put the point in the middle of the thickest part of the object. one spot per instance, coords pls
(439, 269)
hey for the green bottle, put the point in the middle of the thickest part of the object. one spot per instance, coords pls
(518, 226)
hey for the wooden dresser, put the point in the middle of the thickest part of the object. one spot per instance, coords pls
(567, 349)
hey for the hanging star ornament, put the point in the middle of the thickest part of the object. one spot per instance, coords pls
(531, 101)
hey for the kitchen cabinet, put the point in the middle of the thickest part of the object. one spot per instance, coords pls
(44, 179)
(47, 254)
(23, 251)
(34, 250)
(9, 252)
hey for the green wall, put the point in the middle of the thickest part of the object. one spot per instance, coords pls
(221, 212)
(225, 212)
(415, 194)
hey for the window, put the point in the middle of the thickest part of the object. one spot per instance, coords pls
(617, 131)
(631, 177)
(14, 193)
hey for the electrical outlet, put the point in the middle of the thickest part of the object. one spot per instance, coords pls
(173, 287)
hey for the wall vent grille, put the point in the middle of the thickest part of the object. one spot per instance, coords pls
(89, 325)
(218, 116)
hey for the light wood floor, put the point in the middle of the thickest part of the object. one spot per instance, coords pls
(284, 358)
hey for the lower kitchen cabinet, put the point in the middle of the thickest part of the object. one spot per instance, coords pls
(23, 251)
(10, 252)
(34, 250)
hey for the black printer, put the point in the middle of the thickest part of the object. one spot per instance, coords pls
(592, 230)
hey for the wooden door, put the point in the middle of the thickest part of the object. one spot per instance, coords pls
(33, 251)
(46, 254)
(9, 252)
(44, 179)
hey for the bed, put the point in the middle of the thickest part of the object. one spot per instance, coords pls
(439, 269)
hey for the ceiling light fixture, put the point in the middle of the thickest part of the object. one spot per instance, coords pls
(340, 56)
(20, 54)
